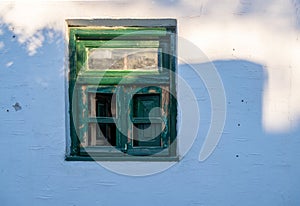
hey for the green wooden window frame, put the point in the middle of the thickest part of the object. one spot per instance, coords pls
(124, 92)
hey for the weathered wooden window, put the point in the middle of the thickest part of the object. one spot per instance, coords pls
(122, 89)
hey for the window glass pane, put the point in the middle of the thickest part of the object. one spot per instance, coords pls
(123, 58)
(147, 135)
(102, 134)
(144, 103)
(102, 105)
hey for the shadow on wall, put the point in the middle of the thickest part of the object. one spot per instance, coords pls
(243, 133)
(243, 83)
(244, 86)
(248, 165)
(247, 161)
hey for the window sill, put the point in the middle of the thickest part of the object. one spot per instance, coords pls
(124, 158)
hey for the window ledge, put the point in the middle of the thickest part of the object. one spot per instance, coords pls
(124, 158)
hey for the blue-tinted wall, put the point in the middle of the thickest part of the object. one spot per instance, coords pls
(248, 166)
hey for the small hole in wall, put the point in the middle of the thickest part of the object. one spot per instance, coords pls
(7, 110)
(237, 155)
(239, 125)
(242, 100)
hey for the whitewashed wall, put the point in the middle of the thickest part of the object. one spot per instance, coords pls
(254, 47)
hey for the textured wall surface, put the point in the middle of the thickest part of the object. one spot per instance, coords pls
(249, 166)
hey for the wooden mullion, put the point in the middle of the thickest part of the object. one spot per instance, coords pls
(104, 120)
(137, 80)
(147, 120)
(121, 116)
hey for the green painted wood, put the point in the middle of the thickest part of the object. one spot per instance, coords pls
(104, 151)
(72, 78)
(122, 117)
(147, 120)
(101, 89)
(117, 43)
(173, 99)
(136, 80)
(124, 158)
(83, 39)
(88, 23)
(122, 73)
(82, 114)
(100, 120)
(84, 46)
(126, 32)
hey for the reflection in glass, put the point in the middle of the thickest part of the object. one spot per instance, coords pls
(123, 59)
(102, 105)
(102, 134)
(144, 103)
(143, 136)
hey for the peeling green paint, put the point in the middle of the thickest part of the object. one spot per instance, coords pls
(125, 84)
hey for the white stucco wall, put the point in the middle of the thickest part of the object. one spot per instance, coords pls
(253, 46)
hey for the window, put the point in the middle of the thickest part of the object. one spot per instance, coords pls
(122, 89)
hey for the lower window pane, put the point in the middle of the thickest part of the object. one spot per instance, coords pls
(146, 134)
(101, 134)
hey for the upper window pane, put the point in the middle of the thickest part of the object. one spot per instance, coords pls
(123, 58)
(102, 105)
(144, 103)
